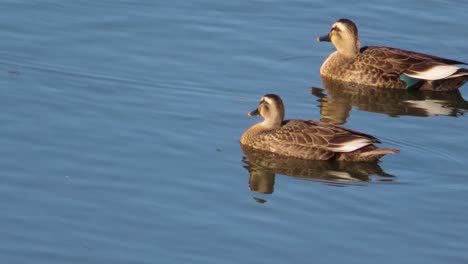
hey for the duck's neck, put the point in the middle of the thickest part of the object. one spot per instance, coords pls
(271, 123)
(350, 49)
(265, 126)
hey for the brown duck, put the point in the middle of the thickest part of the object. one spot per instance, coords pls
(386, 67)
(306, 139)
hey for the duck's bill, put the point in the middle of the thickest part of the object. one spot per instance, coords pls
(324, 38)
(254, 113)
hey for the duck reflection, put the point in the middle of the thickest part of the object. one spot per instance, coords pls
(336, 104)
(263, 167)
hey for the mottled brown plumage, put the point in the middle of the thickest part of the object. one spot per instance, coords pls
(306, 139)
(386, 67)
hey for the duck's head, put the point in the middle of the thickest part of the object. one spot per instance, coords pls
(271, 108)
(344, 36)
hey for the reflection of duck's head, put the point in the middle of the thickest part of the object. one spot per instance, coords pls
(271, 108)
(344, 36)
(261, 179)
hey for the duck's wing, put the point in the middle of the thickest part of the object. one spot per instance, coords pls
(413, 67)
(425, 57)
(392, 60)
(319, 135)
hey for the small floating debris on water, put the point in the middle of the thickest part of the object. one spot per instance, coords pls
(14, 72)
(260, 200)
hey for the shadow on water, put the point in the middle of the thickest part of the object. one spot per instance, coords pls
(264, 166)
(336, 104)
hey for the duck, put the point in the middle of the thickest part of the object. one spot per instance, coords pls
(386, 67)
(307, 139)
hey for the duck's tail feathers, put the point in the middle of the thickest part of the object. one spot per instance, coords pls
(367, 154)
(432, 71)
(459, 73)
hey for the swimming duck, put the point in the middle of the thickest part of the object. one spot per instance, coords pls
(306, 139)
(386, 67)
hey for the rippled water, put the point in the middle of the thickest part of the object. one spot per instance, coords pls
(120, 127)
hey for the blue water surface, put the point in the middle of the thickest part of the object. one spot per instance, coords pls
(120, 123)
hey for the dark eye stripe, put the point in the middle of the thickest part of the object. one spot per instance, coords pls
(335, 28)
